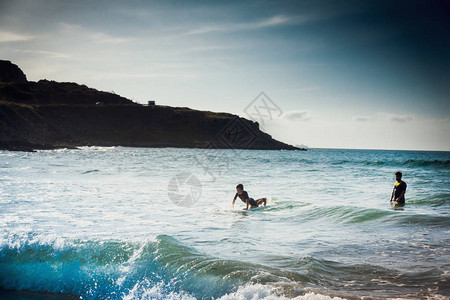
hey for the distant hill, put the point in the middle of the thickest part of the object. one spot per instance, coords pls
(48, 114)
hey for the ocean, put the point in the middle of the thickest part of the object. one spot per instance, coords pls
(145, 223)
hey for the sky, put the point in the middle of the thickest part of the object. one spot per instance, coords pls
(325, 74)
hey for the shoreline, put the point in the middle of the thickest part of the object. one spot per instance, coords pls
(20, 147)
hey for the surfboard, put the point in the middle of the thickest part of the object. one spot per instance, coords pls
(256, 208)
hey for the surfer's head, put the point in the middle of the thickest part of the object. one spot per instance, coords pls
(398, 176)
(240, 188)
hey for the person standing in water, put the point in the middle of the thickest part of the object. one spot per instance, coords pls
(250, 202)
(398, 194)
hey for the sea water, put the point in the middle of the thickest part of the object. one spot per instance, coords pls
(108, 223)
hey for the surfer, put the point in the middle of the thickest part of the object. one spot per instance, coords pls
(398, 194)
(250, 202)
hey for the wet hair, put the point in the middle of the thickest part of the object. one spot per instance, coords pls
(240, 186)
(399, 174)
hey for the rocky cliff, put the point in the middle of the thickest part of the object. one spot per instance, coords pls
(10, 72)
(48, 114)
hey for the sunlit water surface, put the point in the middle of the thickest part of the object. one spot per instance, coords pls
(99, 223)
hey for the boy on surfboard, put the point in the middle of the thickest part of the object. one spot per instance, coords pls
(250, 202)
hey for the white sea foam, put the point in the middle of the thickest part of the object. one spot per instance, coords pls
(98, 148)
(142, 291)
(267, 292)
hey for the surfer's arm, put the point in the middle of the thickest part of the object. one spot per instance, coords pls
(246, 202)
(392, 196)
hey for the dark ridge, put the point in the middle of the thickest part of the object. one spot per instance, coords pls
(10, 72)
(45, 92)
(48, 114)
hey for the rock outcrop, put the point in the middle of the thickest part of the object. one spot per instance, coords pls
(10, 72)
(48, 114)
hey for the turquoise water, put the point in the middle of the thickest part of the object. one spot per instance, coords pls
(99, 223)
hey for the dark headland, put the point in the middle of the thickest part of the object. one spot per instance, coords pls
(48, 115)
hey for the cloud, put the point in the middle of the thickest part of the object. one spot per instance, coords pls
(400, 118)
(274, 21)
(360, 118)
(269, 22)
(383, 116)
(153, 75)
(106, 38)
(47, 53)
(297, 115)
(97, 36)
(206, 29)
(7, 36)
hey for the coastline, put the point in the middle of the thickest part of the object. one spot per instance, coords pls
(20, 147)
(51, 115)
(28, 127)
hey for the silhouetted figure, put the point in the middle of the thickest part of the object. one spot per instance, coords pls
(398, 194)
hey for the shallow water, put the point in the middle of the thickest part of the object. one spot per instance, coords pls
(99, 223)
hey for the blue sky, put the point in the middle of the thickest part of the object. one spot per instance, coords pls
(344, 74)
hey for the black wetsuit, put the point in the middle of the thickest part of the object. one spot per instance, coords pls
(244, 197)
(399, 187)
